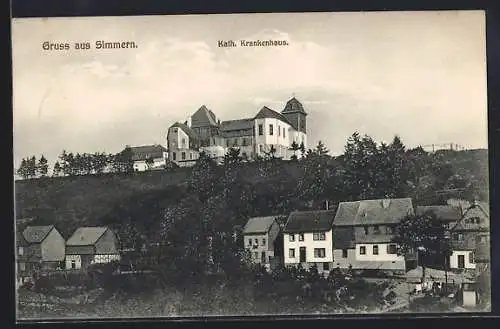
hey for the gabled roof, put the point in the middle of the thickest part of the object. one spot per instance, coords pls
(259, 225)
(370, 212)
(477, 209)
(141, 153)
(309, 221)
(20, 240)
(191, 134)
(266, 112)
(36, 234)
(445, 213)
(241, 124)
(203, 117)
(86, 236)
(292, 106)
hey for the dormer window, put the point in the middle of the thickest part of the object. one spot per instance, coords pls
(301, 236)
(366, 230)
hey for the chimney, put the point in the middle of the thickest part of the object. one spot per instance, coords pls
(188, 122)
(385, 203)
(326, 205)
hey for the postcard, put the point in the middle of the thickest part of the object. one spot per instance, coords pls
(293, 164)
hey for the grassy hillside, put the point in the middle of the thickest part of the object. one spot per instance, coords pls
(86, 200)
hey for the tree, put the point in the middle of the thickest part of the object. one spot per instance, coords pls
(360, 167)
(150, 162)
(32, 167)
(424, 234)
(43, 167)
(57, 169)
(302, 148)
(123, 162)
(294, 147)
(23, 170)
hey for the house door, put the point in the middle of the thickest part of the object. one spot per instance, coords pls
(302, 254)
(461, 261)
(263, 257)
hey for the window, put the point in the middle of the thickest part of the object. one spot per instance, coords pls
(375, 250)
(284, 133)
(22, 266)
(183, 155)
(362, 250)
(326, 266)
(244, 142)
(291, 253)
(279, 131)
(344, 253)
(73, 264)
(261, 130)
(389, 230)
(249, 242)
(183, 143)
(391, 249)
(271, 131)
(256, 242)
(376, 229)
(291, 237)
(261, 148)
(263, 241)
(366, 230)
(460, 237)
(174, 156)
(301, 236)
(319, 252)
(21, 251)
(190, 156)
(256, 255)
(319, 236)
(471, 257)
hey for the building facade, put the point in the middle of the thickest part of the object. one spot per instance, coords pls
(39, 248)
(472, 228)
(268, 130)
(259, 236)
(307, 239)
(149, 157)
(91, 245)
(363, 234)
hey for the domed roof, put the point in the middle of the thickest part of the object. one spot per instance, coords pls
(293, 105)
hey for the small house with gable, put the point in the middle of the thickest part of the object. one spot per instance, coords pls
(472, 230)
(259, 236)
(91, 245)
(307, 239)
(363, 234)
(38, 248)
(148, 157)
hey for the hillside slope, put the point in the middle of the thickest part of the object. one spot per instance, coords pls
(86, 200)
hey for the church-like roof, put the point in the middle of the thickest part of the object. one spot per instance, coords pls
(203, 117)
(266, 112)
(293, 105)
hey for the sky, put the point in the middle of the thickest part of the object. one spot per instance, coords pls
(419, 75)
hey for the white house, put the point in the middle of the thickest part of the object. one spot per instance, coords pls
(466, 234)
(252, 136)
(91, 245)
(149, 157)
(307, 239)
(363, 234)
(259, 236)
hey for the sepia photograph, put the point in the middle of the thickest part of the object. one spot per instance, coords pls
(222, 165)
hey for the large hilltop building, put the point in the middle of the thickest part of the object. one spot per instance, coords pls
(255, 136)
